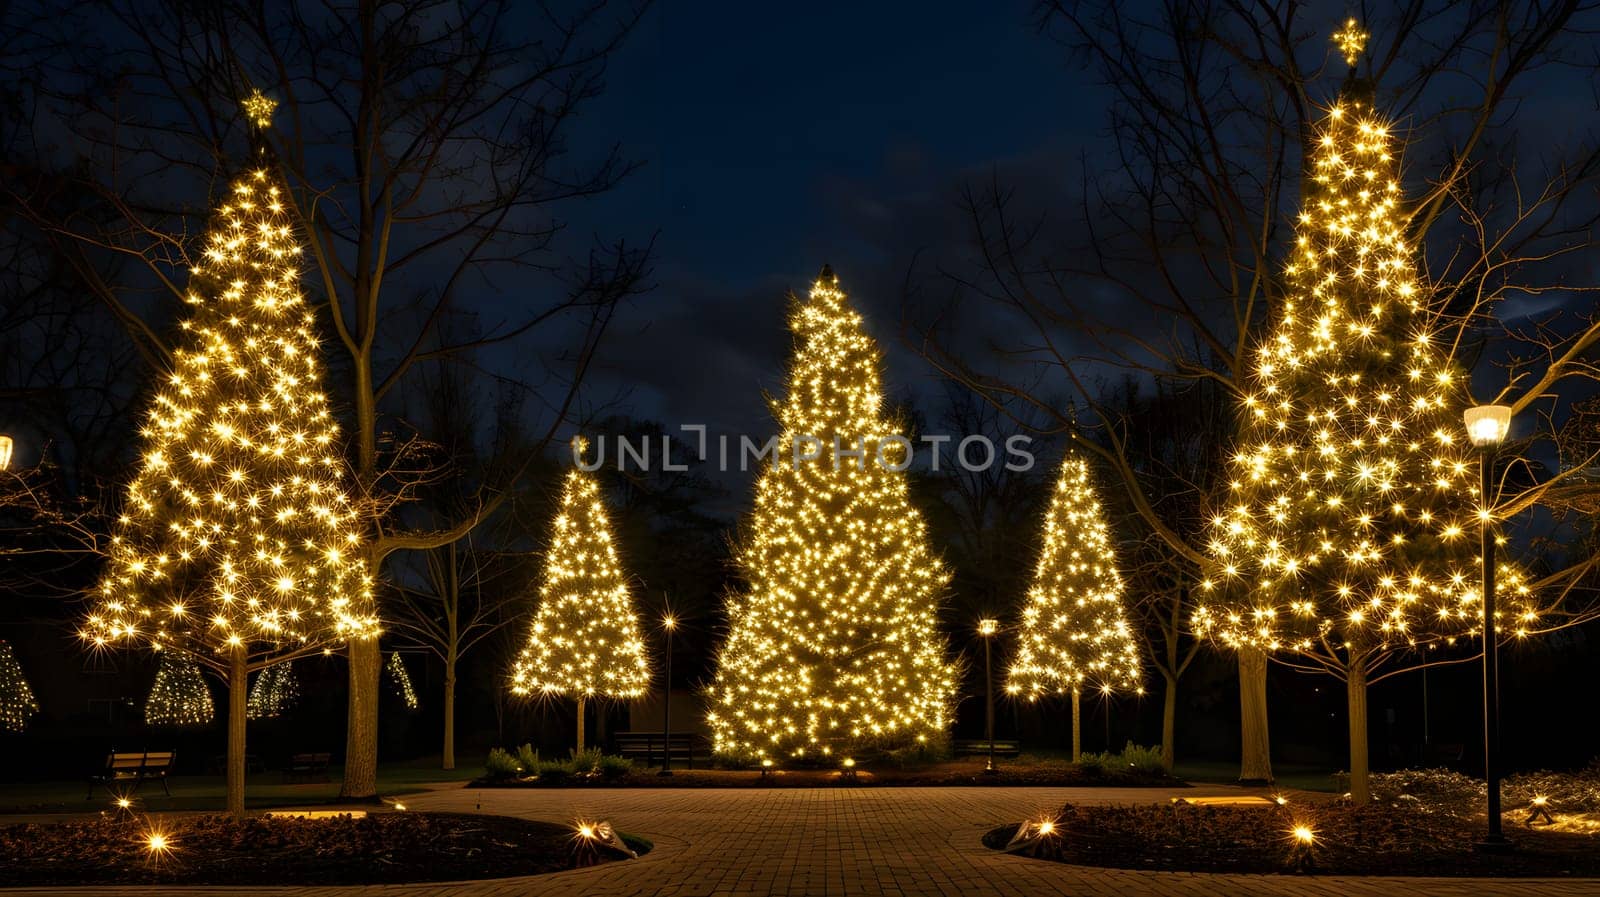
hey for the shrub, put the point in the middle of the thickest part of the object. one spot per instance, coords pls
(1095, 764)
(1142, 760)
(555, 771)
(586, 761)
(528, 759)
(614, 767)
(500, 765)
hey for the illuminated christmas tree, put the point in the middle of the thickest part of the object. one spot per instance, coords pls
(275, 691)
(1348, 539)
(833, 647)
(1074, 634)
(238, 546)
(179, 696)
(401, 678)
(586, 640)
(16, 698)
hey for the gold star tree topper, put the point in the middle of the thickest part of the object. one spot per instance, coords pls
(258, 107)
(1351, 40)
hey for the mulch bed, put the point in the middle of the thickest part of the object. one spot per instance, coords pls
(958, 773)
(1400, 837)
(386, 848)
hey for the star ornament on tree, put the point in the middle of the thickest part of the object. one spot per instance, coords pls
(258, 107)
(1351, 40)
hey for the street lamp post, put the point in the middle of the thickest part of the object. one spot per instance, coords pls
(668, 623)
(1487, 426)
(987, 627)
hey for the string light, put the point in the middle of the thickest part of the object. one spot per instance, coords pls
(401, 678)
(586, 640)
(17, 702)
(1074, 631)
(1353, 484)
(179, 696)
(834, 647)
(275, 692)
(237, 533)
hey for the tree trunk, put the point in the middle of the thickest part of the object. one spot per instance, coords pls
(449, 714)
(1077, 727)
(1255, 756)
(1169, 722)
(238, 700)
(580, 725)
(600, 723)
(1356, 691)
(361, 741)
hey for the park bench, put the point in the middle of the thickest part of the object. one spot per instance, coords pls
(979, 747)
(647, 747)
(307, 768)
(125, 767)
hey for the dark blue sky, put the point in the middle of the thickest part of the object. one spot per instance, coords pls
(779, 137)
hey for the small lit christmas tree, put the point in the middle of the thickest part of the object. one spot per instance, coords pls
(586, 639)
(401, 678)
(179, 696)
(275, 691)
(16, 698)
(238, 546)
(834, 645)
(1348, 536)
(1074, 633)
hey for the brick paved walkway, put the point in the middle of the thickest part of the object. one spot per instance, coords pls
(896, 842)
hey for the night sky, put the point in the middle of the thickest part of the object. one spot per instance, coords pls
(777, 138)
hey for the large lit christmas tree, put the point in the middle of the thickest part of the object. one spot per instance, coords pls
(586, 642)
(16, 698)
(833, 648)
(238, 545)
(1074, 634)
(179, 696)
(1348, 537)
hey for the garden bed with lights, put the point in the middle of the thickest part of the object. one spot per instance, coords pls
(955, 774)
(1133, 768)
(380, 848)
(1419, 823)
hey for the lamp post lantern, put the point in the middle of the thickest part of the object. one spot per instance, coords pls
(987, 627)
(668, 623)
(1487, 426)
(5, 451)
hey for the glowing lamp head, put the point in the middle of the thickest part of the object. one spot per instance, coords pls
(1487, 425)
(586, 831)
(1540, 800)
(124, 803)
(1046, 828)
(849, 763)
(988, 626)
(1303, 835)
(5, 451)
(669, 622)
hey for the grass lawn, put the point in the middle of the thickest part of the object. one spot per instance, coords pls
(1217, 772)
(262, 790)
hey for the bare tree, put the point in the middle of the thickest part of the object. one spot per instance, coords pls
(1170, 270)
(454, 597)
